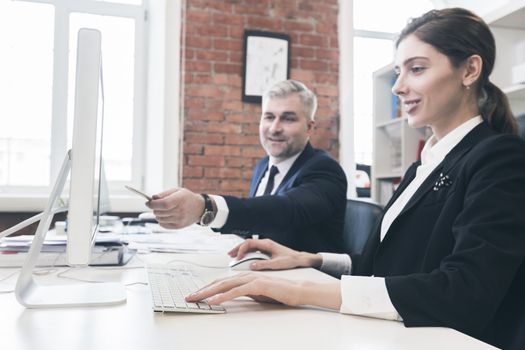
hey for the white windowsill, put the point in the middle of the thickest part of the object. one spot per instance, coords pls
(27, 203)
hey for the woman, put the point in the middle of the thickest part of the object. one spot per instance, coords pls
(450, 248)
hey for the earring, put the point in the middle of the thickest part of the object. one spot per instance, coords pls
(467, 87)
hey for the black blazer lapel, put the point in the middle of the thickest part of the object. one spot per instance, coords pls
(306, 154)
(476, 135)
(405, 181)
(258, 173)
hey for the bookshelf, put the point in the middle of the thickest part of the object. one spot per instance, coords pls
(396, 145)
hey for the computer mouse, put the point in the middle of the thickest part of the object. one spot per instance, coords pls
(244, 263)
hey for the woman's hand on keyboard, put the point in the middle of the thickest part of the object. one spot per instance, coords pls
(282, 257)
(270, 289)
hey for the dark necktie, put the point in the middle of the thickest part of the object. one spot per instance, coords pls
(269, 184)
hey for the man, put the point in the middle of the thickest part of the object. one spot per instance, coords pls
(297, 193)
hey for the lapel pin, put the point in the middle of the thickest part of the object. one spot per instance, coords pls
(443, 181)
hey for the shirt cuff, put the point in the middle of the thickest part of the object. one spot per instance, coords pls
(222, 212)
(367, 296)
(336, 264)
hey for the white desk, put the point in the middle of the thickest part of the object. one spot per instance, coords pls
(246, 324)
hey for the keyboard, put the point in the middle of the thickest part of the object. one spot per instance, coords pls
(170, 284)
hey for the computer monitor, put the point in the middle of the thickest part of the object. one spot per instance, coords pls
(84, 161)
(86, 156)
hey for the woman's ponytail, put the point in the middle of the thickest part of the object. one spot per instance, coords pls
(495, 109)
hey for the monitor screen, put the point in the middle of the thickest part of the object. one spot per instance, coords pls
(86, 154)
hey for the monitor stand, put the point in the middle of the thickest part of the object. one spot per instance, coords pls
(31, 294)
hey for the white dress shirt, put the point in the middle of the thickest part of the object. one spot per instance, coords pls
(368, 296)
(283, 167)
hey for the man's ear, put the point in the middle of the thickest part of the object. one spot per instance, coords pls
(310, 125)
(472, 67)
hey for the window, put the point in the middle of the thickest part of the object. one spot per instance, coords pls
(37, 65)
(374, 38)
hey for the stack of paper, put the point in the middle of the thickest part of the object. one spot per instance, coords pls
(106, 251)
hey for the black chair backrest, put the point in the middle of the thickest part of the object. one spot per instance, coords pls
(360, 219)
(520, 119)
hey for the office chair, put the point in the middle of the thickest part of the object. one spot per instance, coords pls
(520, 119)
(360, 219)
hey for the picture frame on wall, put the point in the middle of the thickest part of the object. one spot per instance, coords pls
(266, 61)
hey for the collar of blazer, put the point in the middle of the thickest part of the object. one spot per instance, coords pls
(478, 134)
(306, 154)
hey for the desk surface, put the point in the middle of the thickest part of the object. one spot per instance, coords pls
(134, 325)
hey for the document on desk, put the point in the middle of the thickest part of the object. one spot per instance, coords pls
(106, 251)
(193, 239)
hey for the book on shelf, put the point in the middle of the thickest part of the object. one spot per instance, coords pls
(13, 252)
(396, 105)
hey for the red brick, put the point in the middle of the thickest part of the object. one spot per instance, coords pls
(235, 56)
(201, 42)
(194, 66)
(327, 54)
(253, 152)
(206, 161)
(234, 185)
(204, 138)
(314, 65)
(212, 55)
(223, 128)
(250, 140)
(227, 68)
(201, 185)
(240, 162)
(324, 78)
(297, 26)
(222, 151)
(203, 78)
(193, 149)
(194, 102)
(245, 9)
(303, 75)
(189, 171)
(264, 23)
(199, 114)
(252, 128)
(231, 20)
(206, 91)
(236, 118)
(233, 105)
(313, 40)
(303, 52)
(220, 79)
(227, 44)
(327, 90)
(236, 32)
(326, 28)
(222, 173)
(198, 16)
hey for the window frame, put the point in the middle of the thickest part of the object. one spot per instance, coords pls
(155, 153)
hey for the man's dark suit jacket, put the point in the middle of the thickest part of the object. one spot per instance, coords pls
(306, 212)
(454, 256)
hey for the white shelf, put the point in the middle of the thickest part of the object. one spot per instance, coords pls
(510, 15)
(392, 175)
(515, 92)
(391, 122)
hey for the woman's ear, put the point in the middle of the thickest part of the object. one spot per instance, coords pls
(472, 67)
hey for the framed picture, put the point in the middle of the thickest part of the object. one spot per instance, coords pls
(266, 61)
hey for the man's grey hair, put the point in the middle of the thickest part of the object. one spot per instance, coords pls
(286, 88)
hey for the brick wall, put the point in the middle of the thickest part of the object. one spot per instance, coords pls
(221, 142)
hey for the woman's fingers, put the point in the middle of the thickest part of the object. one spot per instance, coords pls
(220, 286)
